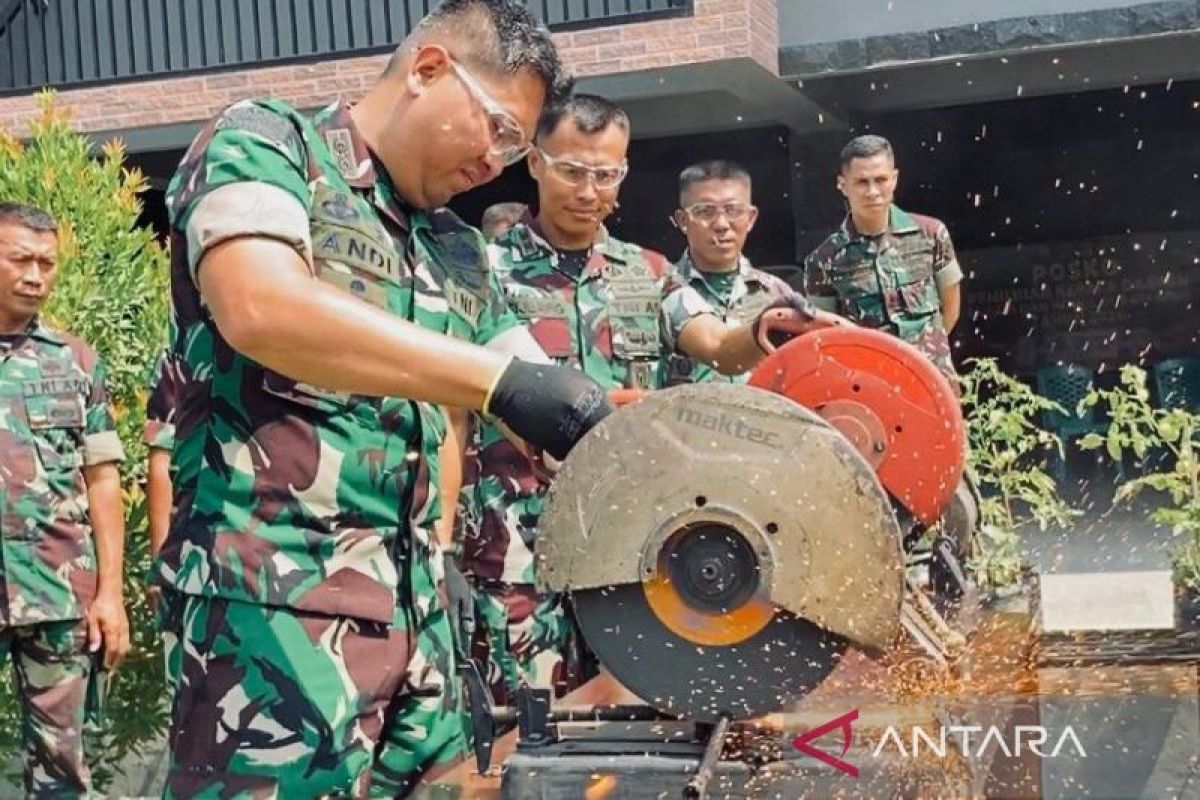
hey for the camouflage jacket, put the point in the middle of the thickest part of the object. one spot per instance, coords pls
(892, 282)
(603, 321)
(735, 298)
(159, 429)
(289, 494)
(55, 419)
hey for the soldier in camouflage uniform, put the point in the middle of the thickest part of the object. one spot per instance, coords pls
(714, 302)
(591, 302)
(62, 528)
(886, 268)
(313, 277)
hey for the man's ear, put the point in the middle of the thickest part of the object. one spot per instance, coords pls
(535, 164)
(428, 64)
(679, 220)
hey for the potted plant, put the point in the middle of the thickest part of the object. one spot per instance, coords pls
(1166, 443)
(1006, 447)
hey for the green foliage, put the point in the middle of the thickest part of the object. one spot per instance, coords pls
(1006, 444)
(1172, 438)
(111, 292)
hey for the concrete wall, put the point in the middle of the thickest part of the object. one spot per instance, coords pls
(804, 22)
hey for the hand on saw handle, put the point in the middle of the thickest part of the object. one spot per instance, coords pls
(619, 398)
(790, 316)
(549, 406)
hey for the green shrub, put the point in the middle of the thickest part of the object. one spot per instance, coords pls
(111, 292)
(1007, 443)
(1171, 437)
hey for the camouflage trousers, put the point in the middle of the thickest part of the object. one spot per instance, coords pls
(281, 703)
(52, 668)
(526, 639)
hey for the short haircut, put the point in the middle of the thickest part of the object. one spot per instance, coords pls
(717, 169)
(495, 214)
(867, 146)
(27, 216)
(590, 113)
(501, 37)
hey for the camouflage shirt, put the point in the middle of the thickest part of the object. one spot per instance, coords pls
(597, 312)
(159, 430)
(55, 419)
(289, 494)
(734, 297)
(892, 282)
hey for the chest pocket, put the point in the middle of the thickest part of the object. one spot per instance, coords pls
(916, 290)
(56, 421)
(548, 315)
(857, 286)
(633, 305)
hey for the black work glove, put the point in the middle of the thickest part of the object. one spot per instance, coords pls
(460, 603)
(549, 406)
(789, 316)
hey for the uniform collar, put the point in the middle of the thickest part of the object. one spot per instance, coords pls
(356, 163)
(37, 329)
(350, 152)
(603, 250)
(899, 221)
(688, 270)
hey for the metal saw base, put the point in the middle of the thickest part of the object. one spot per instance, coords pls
(624, 772)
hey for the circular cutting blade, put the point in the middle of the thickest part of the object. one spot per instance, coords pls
(707, 586)
(764, 673)
(722, 503)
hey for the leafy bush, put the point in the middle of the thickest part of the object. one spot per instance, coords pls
(1006, 443)
(1171, 437)
(111, 292)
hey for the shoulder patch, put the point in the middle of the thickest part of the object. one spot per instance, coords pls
(259, 121)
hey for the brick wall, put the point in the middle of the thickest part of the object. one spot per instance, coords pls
(720, 29)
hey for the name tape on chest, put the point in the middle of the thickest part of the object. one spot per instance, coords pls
(635, 306)
(536, 304)
(463, 301)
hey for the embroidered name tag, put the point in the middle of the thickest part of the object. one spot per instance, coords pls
(626, 306)
(53, 410)
(463, 301)
(540, 305)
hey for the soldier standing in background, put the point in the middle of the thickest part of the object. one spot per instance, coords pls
(886, 268)
(592, 303)
(62, 526)
(714, 301)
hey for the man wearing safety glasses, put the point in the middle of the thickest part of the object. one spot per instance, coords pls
(591, 302)
(720, 314)
(313, 275)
